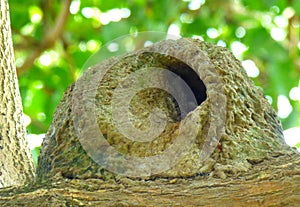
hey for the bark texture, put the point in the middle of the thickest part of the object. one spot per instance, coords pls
(274, 182)
(16, 166)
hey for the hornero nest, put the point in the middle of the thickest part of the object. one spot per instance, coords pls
(225, 128)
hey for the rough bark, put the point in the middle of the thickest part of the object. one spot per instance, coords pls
(16, 166)
(274, 182)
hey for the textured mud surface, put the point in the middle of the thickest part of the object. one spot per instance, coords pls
(232, 116)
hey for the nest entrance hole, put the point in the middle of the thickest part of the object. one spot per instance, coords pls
(193, 81)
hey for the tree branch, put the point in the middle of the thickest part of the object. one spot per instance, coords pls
(49, 39)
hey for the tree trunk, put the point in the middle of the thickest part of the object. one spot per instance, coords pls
(16, 166)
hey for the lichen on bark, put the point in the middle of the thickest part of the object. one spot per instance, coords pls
(232, 115)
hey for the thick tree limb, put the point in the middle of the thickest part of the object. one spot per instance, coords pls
(274, 182)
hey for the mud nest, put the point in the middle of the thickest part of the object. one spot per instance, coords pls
(220, 127)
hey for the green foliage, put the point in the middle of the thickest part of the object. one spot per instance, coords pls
(256, 24)
(35, 154)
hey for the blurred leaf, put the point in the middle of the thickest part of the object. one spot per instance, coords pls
(296, 6)
(35, 155)
(264, 5)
